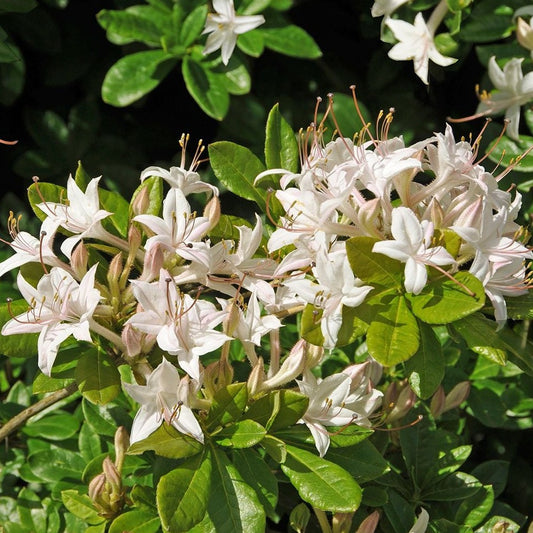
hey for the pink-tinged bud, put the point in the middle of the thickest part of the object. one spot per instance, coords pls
(357, 374)
(256, 378)
(112, 475)
(141, 202)
(131, 338)
(115, 269)
(134, 239)
(314, 355)
(291, 368)
(96, 487)
(369, 524)
(342, 521)
(122, 443)
(232, 318)
(153, 263)
(437, 402)
(78, 260)
(368, 216)
(457, 396)
(399, 400)
(524, 33)
(217, 375)
(212, 212)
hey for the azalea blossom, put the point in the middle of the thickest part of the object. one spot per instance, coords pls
(224, 26)
(421, 523)
(58, 308)
(417, 44)
(412, 246)
(512, 90)
(386, 7)
(159, 402)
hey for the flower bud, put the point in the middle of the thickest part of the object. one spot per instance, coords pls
(314, 355)
(96, 487)
(122, 443)
(342, 521)
(437, 402)
(78, 260)
(153, 263)
(457, 396)
(113, 279)
(369, 524)
(436, 213)
(217, 375)
(524, 33)
(134, 239)
(292, 367)
(256, 378)
(112, 475)
(212, 212)
(232, 318)
(399, 398)
(141, 202)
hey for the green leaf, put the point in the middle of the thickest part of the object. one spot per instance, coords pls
(123, 27)
(237, 167)
(167, 441)
(154, 189)
(241, 434)
(228, 404)
(252, 7)
(520, 307)
(48, 129)
(12, 73)
(97, 376)
(356, 321)
(30, 510)
(136, 521)
(311, 325)
(443, 301)
(506, 152)
(321, 483)
(236, 77)
(233, 505)
(193, 25)
(227, 228)
(372, 268)
(281, 147)
(493, 473)
(81, 505)
(278, 409)
(17, 6)
(206, 87)
(456, 486)
(256, 473)
(99, 418)
(44, 383)
(135, 75)
(89, 443)
(56, 464)
(114, 203)
(49, 192)
(475, 509)
(393, 336)
(487, 23)
(251, 43)
(54, 427)
(16, 345)
(292, 41)
(426, 367)
(183, 493)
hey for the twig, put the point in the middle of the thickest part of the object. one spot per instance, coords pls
(18, 420)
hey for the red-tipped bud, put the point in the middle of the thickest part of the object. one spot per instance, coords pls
(437, 402)
(141, 202)
(369, 524)
(79, 259)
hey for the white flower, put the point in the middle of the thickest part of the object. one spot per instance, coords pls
(225, 25)
(513, 90)
(80, 214)
(159, 401)
(386, 7)
(417, 44)
(411, 245)
(421, 523)
(59, 307)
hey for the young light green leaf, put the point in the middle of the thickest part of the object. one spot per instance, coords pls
(251, 43)
(97, 377)
(56, 464)
(321, 483)
(135, 75)
(114, 203)
(80, 505)
(228, 404)
(136, 521)
(393, 335)
(206, 87)
(292, 41)
(426, 367)
(183, 493)
(241, 434)
(237, 167)
(281, 147)
(475, 509)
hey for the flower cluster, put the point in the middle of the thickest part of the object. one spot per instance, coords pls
(429, 206)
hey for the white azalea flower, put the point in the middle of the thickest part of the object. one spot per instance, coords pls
(513, 90)
(58, 307)
(411, 245)
(417, 44)
(421, 523)
(224, 26)
(159, 401)
(386, 7)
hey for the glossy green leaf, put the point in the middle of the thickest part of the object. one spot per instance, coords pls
(251, 43)
(475, 509)
(393, 336)
(321, 483)
(43, 383)
(311, 329)
(281, 147)
(135, 75)
(241, 434)
(123, 27)
(167, 441)
(206, 87)
(89, 443)
(275, 447)
(278, 409)
(80, 505)
(233, 504)
(16, 345)
(144, 497)
(356, 321)
(426, 367)
(47, 191)
(114, 203)
(237, 167)
(227, 228)
(99, 418)
(292, 41)
(31, 512)
(53, 427)
(340, 437)
(505, 151)
(193, 25)
(183, 493)
(56, 464)
(372, 268)
(228, 404)
(493, 473)
(487, 23)
(97, 377)
(135, 521)
(520, 307)
(256, 473)
(236, 77)
(454, 487)
(399, 512)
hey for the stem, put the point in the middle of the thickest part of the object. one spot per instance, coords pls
(322, 520)
(437, 17)
(18, 420)
(108, 334)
